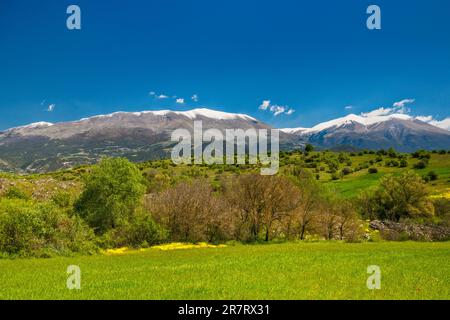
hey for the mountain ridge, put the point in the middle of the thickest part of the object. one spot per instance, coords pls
(145, 135)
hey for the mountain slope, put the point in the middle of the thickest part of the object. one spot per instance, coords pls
(399, 131)
(145, 135)
(138, 136)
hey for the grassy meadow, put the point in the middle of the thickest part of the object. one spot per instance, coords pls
(322, 270)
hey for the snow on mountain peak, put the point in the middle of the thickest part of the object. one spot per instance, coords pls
(363, 119)
(34, 125)
(191, 114)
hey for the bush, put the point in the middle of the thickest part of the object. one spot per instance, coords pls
(309, 148)
(398, 197)
(63, 200)
(346, 171)
(420, 165)
(335, 176)
(140, 231)
(403, 163)
(16, 193)
(442, 210)
(41, 229)
(432, 175)
(373, 170)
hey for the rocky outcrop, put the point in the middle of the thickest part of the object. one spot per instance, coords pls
(391, 230)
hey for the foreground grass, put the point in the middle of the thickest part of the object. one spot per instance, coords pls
(326, 270)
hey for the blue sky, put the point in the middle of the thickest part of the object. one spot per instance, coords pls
(316, 57)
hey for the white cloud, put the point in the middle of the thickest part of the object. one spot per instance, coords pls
(162, 96)
(290, 111)
(399, 111)
(425, 118)
(51, 107)
(151, 93)
(378, 112)
(264, 105)
(403, 103)
(385, 111)
(443, 124)
(276, 110)
(194, 98)
(180, 100)
(348, 107)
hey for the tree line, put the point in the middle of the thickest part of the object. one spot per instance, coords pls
(115, 209)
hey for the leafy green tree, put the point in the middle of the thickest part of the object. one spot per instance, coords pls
(432, 175)
(113, 190)
(403, 163)
(420, 165)
(309, 148)
(397, 197)
(391, 153)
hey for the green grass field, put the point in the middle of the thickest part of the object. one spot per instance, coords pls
(323, 270)
(352, 184)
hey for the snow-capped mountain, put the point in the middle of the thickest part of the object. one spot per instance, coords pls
(145, 135)
(398, 130)
(349, 119)
(139, 136)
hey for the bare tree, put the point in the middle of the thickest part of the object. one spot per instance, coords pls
(192, 212)
(348, 223)
(308, 205)
(261, 202)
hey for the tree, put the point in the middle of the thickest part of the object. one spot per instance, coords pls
(348, 223)
(420, 165)
(261, 202)
(403, 196)
(309, 148)
(403, 163)
(192, 212)
(391, 153)
(432, 175)
(113, 190)
(309, 201)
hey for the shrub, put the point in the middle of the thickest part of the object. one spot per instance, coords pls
(420, 165)
(391, 153)
(432, 175)
(309, 148)
(403, 163)
(41, 229)
(140, 231)
(397, 197)
(335, 176)
(373, 170)
(16, 193)
(442, 210)
(346, 171)
(63, 200)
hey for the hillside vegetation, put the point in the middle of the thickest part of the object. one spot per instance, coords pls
(316, 195)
